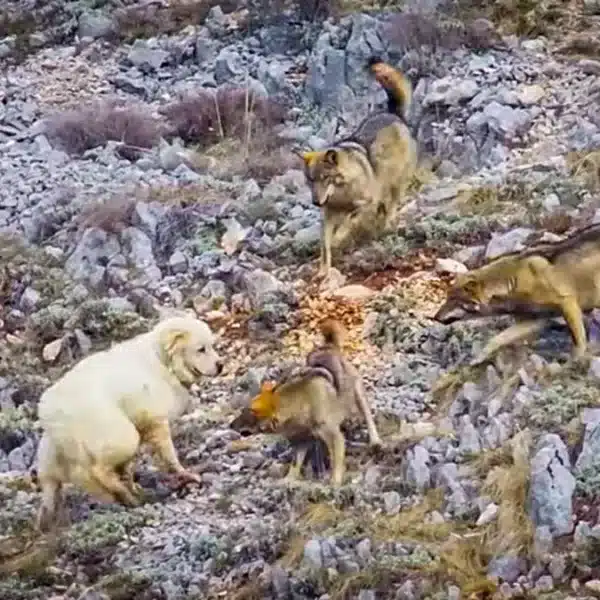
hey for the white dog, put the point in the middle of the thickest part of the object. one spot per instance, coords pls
(96, 416)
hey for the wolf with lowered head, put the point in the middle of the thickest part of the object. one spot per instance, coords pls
(362, 180)
(312, 403)
(536, 285)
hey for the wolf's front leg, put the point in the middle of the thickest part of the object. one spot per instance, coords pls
(361, 399)
(159, 439)
(296, 468)
(327, 227)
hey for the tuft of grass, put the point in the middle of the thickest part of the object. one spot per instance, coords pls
(585, 165)
(465, 557)
(79, 129)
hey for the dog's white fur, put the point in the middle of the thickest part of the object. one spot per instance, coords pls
(96, 416)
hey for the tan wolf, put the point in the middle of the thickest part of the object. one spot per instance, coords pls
(536, 284)
(362, 180)
(96, 416)
(312, 403)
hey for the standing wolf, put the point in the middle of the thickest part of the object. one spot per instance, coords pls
(362, 180)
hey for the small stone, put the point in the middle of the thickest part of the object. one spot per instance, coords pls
(593, 585)
(448, 265)
(391, 501)
(488, 515)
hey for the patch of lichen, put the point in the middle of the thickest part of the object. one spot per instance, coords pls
(557, 404)
(102, 530)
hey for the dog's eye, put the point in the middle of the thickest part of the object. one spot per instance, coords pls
(201, 349)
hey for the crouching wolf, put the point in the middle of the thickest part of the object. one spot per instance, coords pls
(362, 180)
(96, 416)
(536, 285)
(312, 403)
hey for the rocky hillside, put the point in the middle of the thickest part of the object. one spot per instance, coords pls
(146, 160)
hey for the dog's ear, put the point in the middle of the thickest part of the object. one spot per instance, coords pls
(173, 338)
(331, 157)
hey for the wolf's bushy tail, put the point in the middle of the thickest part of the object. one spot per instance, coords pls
(333, 332)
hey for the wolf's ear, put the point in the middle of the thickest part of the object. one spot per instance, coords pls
(172, 338)
(331, 157)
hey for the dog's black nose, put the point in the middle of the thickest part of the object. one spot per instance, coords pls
(219, 367)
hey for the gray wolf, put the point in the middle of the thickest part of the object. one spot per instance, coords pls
(536, 284)
(360, 181)
(311, 403)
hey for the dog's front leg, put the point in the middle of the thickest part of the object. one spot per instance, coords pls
(158, 437)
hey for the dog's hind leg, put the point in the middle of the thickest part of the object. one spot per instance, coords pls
(359, 392)
(50, 476)
(158, 437)
(107, 479)
(51, 504)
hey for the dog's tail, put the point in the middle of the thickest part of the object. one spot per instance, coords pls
(396, 85)
(333, 332)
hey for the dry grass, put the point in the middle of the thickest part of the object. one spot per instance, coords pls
(465, 557)
(80, 129)
(585, 165)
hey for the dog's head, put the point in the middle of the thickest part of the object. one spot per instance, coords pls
(186, 347)
(465, 299)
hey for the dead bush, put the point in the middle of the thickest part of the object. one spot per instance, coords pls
(80, 129)
(112, 215)
(149, 19)
(412, 31)
(208, 116)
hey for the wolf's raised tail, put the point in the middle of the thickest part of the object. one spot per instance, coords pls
(333, 332)
(396, 85)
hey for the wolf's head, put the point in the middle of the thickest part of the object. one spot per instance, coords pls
(465, 299)
(260, 415)
(331, 172)
(265, 405)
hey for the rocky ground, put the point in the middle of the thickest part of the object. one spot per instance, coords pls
(134, 176)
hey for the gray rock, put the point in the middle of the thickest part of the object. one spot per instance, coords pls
(503, 243)
(228, 66)
(507, 568)
(20, 458)
(417, 469)
(326, 78)
(313, 555)
(589, 458)
(96, 246)
(392, 502)
(451, 92)
(507, 122)
(260, 286)
(552, 486)
(94, 24)
(138, 248)
(29, 299)
(142, 55)
(469, 438)
(178, 262)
